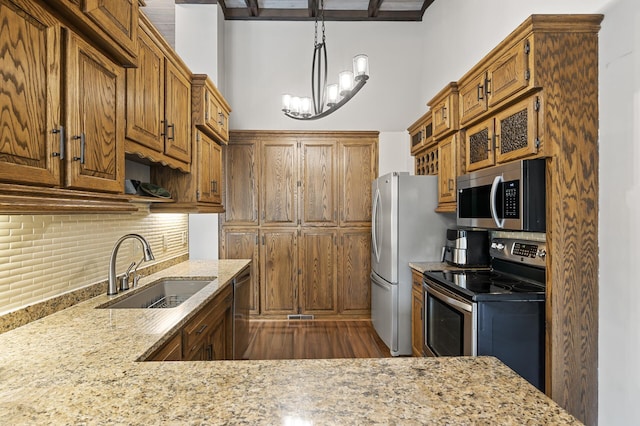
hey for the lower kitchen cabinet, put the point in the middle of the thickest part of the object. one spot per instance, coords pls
(243, 243)
(170, 351)
(417, 335)
(209, 335)
(319, 271)
(279, 271)
(355, 267)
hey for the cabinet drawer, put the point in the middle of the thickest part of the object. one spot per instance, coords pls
(196, 330)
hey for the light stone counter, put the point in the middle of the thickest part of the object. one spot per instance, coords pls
(79, 366)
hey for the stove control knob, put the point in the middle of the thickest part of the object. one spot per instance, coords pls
(497, 246)
(542, 253)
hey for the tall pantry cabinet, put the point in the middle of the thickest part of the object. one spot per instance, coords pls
(299, 205)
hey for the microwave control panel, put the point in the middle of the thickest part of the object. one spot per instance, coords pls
(511, 200)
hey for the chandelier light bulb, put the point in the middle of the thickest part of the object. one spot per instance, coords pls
(345, 79)
(305, 107)
(361, 67)
(286, 102)
(295, 105)
(332, 95)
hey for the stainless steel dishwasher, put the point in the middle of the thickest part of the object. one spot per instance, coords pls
(241, 306)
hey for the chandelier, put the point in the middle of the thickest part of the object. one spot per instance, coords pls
(326, 99)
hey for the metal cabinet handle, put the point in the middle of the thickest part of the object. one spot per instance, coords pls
(444, 113)
(173, 132)
(82, 147)
(450, 184)
(60, 132)
(480, 92)
(220, 119)
(486, 85)
(201, 329)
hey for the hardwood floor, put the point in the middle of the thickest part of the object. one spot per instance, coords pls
(314, 340)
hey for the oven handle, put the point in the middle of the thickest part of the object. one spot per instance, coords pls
(494, 191)
(465, 306)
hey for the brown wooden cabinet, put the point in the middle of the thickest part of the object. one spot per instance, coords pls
(158, 103)
(444, 111)
(209, 170)
(80, 147)
(170, 351)
(417, 302)
(111, 25)
(508, 135)
(279, 271)
(421, 133)
(448, 173)
(279, 182)
(95, 119)
(209, 335)
(358, 166)
(318, 177)
(354, 263)
(243, 243)
(210, 110)
(318, 271)
(314, 221)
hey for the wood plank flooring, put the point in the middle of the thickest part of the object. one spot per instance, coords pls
(316, 339)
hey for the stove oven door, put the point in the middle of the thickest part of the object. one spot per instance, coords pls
(449, 323)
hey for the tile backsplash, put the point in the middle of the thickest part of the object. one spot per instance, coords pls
(43, 256)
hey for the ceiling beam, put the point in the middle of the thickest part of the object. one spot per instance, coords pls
(374, 7)
(252, 5)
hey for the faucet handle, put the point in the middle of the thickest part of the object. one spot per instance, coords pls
(124, 279)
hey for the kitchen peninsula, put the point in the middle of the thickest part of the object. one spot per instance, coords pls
(81, 366)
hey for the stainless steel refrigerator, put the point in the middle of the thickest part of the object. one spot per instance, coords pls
(405, 228)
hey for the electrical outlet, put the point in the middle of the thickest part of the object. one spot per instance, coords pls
(165, 245)
(184, 238)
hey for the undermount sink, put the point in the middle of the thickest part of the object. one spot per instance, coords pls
(164, 293)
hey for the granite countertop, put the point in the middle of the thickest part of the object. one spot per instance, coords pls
(79, 366)
(439, 266)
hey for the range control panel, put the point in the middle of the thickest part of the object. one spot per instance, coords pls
(532, 253)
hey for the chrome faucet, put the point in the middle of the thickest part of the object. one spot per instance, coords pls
(148, 256)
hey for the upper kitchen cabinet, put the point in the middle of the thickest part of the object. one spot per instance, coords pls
(444, 111)
(510, 134)
(112, 25)
(57, 158)
(158, 103)
(279, 182)
(241, 181)
(33, 138)
(421, 133)
(357, 166)
(95, 119)
(210, 110)
(318, 175)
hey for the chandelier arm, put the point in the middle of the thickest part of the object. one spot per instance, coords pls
(343, 101)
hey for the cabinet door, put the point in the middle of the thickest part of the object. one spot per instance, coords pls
(170, 351)
(509, 74)
(119, 18)
(417, 338)
(31, 137)
(473, 98)
(319, 274)
(318, 195)
(95, 119)
(279, 272)
(243, 244)
(177, 127)
(145, 95)
(517, 130)
(357, 167)
(447, 173)
(209, 165)
(445, 115)
(241, 180)
(211, 110)
(355, 267)
(479, 146)
(278, 182)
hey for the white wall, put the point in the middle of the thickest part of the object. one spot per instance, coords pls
(410, 63)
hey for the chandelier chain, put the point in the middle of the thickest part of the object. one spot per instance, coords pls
(319, 14)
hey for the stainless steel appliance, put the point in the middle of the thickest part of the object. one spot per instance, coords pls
(405, 228)
(497, 312)
(466, 248)
(511, 196)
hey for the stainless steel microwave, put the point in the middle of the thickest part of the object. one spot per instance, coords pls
(510, 197)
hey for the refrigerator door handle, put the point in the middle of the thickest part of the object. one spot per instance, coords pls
(374, 233)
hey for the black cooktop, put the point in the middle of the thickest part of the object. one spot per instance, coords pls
(488, 285)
